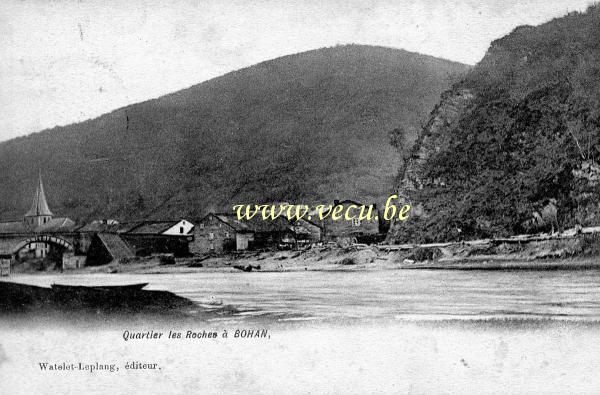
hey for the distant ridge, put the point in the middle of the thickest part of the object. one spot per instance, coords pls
(306, 127)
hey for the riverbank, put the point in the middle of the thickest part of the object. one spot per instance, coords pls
(100, 303)
(565, 251)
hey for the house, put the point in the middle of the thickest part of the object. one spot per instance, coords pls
(159, 237)
(109, 240)
(220, 232)
(353, 230)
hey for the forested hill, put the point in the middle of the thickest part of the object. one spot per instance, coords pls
(306, 127)
(519, 134)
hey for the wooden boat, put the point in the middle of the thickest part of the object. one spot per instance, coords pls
(116, 288)
(109, 299)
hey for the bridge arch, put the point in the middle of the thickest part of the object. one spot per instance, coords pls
(46, 239)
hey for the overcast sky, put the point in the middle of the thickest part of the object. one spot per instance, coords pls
(67, 61)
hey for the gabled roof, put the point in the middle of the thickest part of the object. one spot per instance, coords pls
(136, 227)
(40, 205)
(115, 246)
(230, 220)
(152, 227)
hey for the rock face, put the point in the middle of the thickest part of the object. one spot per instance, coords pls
(444, 117)
(515, 141)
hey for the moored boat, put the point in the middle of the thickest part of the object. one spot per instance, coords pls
(127, 287)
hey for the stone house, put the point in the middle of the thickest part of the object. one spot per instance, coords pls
(219, 232)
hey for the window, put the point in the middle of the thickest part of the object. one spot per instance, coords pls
(355, 222)
(211, 236)
(181, 229)
(226, 235)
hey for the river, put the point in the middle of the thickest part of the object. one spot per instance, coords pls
(373, 295)
(387, 331)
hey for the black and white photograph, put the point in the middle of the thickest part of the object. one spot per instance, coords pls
(299, 197)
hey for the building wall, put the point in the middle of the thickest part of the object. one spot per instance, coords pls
(243, 241)
(41, 249)
(183, 227)
(5, 263)
(212, 235)
(72, 261)
(144, 245)
(36, 250)
(37, 220)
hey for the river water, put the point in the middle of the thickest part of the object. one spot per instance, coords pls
(388, 331)
(373, 295)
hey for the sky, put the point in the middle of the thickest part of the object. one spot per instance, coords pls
(68, 61)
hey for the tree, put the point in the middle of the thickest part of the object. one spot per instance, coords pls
(398, 139)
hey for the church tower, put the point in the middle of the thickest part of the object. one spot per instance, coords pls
(40, 213)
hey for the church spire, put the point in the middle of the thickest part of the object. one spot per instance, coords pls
(39, 208)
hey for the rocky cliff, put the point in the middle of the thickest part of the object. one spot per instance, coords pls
(413, 176)
(517, 139)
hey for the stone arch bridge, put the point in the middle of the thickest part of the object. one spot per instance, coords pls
(12, 244)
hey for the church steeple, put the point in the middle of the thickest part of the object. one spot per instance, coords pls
(39, 213)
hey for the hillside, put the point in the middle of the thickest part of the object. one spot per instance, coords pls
(304, 128)
(516, 139)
